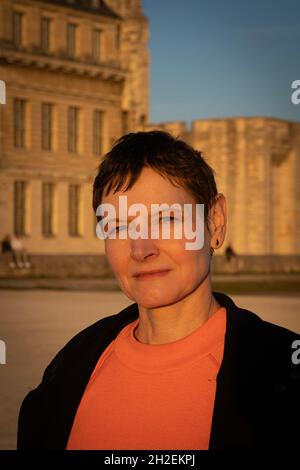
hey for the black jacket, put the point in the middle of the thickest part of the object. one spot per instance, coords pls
(257, 402)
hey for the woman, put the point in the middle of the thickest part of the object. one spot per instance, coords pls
(182, 367)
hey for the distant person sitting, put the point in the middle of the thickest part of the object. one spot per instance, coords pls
(19, 253)
(6, 247)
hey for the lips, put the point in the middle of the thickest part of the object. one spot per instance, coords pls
(151, 274)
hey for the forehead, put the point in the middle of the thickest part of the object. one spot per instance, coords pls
(151, 188)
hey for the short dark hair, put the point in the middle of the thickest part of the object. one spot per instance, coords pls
(170, 157)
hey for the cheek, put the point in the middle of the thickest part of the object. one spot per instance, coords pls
(194, 263)
(190, 266)
(116, 256)
(176, 250)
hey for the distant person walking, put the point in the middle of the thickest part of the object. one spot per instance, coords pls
(231, 258)
(230, 253)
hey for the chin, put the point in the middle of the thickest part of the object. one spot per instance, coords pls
(155, 301)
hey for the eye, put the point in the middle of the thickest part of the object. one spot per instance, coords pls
(117, 229)
(169, 217)
(121, 227)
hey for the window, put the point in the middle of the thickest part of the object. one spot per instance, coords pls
(125, 121)
(98, 132)
(45, 34)
(47, 209)
(20, 190)
(17, 28)
(19, 122)
(96, 50)
(118, 37)
(143, 120)
(73, 124)
(46, 127)
(74, 201)
(95, 223)
(71, 40)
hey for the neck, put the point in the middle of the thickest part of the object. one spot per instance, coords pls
(172, 322)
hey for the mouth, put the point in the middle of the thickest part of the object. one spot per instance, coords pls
(151, 274)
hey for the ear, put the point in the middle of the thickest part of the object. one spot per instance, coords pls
(218, 221)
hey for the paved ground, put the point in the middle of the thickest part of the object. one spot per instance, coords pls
(35, 324)
(261, 282)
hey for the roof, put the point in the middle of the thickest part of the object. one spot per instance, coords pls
(98, 7)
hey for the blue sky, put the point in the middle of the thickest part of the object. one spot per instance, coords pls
(217, 58)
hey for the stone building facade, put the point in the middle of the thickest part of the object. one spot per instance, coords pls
(76, 75)
(257, 166)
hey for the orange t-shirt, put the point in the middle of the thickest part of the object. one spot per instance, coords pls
(152, 396)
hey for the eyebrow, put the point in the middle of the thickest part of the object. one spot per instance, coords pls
(134, 216)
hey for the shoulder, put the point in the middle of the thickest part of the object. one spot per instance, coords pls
(246, 331)
(268, 332)
(98, 335)
(244, 319)
(259, 380)
(63, 383)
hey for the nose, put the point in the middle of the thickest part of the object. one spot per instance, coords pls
(142, 249)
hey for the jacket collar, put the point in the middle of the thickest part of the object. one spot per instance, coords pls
(228, 414)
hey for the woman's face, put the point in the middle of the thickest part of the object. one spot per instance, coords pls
(186, 268)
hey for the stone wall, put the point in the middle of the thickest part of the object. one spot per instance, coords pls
(269, 264)
(58, 266)
(96, 266)
(257, 167)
